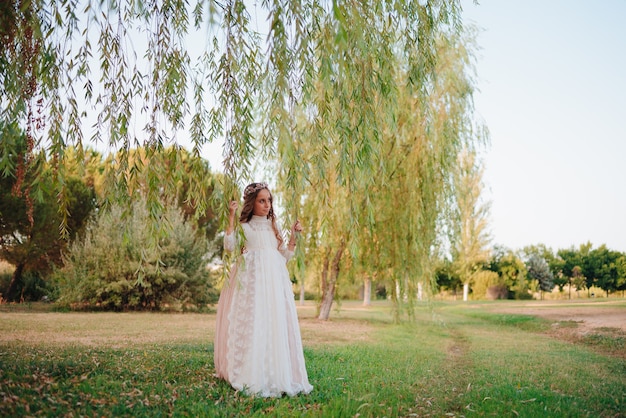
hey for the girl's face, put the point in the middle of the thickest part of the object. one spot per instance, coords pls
(263, 203)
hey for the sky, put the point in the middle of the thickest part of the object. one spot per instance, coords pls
(551, 77)
(551, 89)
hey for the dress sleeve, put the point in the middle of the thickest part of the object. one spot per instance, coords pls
(230, 241)
(285, 251)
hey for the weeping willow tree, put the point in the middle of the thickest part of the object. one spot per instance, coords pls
(372, 155)
(415, 186)
(345, 98)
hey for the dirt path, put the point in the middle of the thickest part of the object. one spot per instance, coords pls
(588, 315)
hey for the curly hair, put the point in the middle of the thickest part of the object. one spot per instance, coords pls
(249, 197)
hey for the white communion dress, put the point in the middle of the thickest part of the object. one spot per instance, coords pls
(258, 348)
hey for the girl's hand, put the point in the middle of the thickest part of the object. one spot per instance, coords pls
(232, 208)
(297, 228)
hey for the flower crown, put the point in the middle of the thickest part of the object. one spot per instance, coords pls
(253, 188)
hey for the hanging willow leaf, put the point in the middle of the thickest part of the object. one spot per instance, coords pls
(358, 108)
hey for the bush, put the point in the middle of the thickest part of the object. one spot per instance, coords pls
(117, 265)
(498, 291)
(483, 280)
(32, 287)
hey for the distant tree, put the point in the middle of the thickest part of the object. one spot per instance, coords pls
(471, 240)
(37, 247)
(621, 271)
(577, 280)
(512, 271)
(30, 224)
(571, 261)
(602, 268)
(556, 267)
(586, 267)
(538, 269)
(555, 263)
(447, 277)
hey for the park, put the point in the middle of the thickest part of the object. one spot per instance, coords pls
(130, 129)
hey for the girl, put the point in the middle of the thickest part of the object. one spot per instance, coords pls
(258, 348)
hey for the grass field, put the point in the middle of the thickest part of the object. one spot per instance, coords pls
(455, 360)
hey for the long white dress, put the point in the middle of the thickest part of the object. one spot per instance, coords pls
(258, 348)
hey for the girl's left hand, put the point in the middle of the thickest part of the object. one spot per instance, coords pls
(297, 227)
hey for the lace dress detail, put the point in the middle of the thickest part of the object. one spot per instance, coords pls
(258, 347)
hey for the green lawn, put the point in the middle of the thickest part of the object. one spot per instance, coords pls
(454, 360)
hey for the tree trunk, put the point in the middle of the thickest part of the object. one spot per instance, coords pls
(570, 289)
(15, 280)
(367, 291)
(330, 271)
(465, 291)
(302, 293)
(398, 297)
(324, 285)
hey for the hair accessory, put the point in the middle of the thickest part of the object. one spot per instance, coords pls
(253, 188)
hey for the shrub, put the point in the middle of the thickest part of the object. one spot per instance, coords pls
(498, 291)
(31, 288)
(117, 265)
(482, 281)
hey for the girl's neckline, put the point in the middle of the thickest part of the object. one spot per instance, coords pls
(258, 218)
